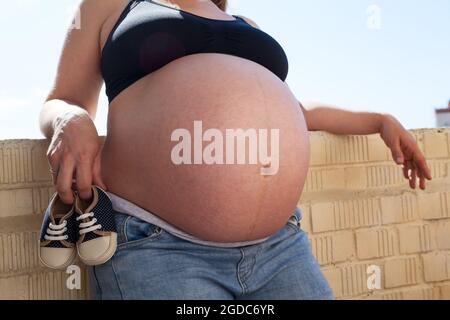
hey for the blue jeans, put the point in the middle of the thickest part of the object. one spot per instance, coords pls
(151, 263)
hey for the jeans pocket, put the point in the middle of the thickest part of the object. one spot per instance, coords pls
(137, 231)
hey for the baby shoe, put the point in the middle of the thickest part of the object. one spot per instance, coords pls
(97, 239)
(58, 235)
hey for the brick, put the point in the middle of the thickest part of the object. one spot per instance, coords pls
(416, 238)
(421, 294)
(407, 294)
(44, 285)
(18, 252)
(436, 266)
(334, 278)
(440, 170)
(333, 248)
(348, 214)
(17, 224)
(357, 213)
(356, 177)
(401, 272)
(16, 202)
(378, 151)
(434, 205)
(320, 179)
(376, 243)
(15, 162)
(382, 176)
(354, 279)
(41, 198)
(24, 201)
(334, 149)
(40, 163)
(14, 288)
(347, 149)
(348, 281)
(399, 209)
(52, 285)
(318, 150)
(445, 291)
(357, 149)
(443, 235)
(322, 216)
(333, 179)
(435, 145)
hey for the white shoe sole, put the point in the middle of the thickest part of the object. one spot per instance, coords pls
(60, 267)
(108, 254)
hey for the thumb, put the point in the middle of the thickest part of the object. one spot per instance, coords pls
(397, 153)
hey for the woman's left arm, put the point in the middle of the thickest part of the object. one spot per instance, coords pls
(401, 142)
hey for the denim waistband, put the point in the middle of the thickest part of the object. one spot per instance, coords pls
(124, 206)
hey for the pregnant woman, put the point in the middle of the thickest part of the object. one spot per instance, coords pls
(198, 216)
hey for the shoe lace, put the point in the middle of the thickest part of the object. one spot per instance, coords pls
(90, 225)
(56, 231)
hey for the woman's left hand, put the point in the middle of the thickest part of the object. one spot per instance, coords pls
(405, 151)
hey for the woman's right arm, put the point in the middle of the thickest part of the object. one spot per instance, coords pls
(68, 112)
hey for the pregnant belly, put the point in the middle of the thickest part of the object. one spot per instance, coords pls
(214, 144)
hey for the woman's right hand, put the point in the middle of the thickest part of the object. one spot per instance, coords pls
(74, 155)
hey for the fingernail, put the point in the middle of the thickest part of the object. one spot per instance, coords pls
(399, 160)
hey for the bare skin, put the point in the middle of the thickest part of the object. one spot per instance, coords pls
(213, 202)
(231, 202)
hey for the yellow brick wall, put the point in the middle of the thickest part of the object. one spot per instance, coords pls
(357, 209)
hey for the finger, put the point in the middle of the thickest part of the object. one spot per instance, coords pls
(421, 163)
(64, 180)
(397, 153)
(413, 176)
(405, 168)
(422, 177)
(53, 161)
(97, 173)
(84, 179)
(54, 173)
(74, 180)
(421, 180)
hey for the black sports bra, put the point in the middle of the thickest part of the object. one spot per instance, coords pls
(149, 35)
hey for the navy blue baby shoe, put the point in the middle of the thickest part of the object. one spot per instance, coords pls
(97, 236)
(58, 237)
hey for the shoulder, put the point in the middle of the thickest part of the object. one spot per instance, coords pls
(249, 21)
(101, 7)
(96, 12)
(96, 18)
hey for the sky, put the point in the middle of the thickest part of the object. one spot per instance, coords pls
(389, 56)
